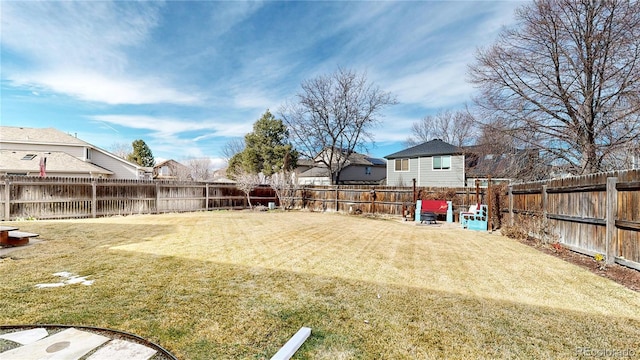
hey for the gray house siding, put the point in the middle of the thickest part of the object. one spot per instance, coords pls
(450, 171)
(402, 178)
(422, 170)
(452, 177)
(359, 173)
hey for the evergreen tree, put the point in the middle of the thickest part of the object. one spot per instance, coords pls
(267, 148)
(141, 154)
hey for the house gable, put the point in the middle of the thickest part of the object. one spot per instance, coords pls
(171, 169)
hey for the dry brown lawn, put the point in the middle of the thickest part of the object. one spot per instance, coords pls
(237, 285)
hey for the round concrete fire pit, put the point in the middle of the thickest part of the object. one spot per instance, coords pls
(76, 343)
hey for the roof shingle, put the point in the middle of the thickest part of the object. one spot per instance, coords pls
(429, 148)
(38, 136)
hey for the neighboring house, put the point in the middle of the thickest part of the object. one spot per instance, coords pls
(359, 169)
(433, 163)
(66, 156)
(27, 163)
(220, 177)
(171, 170)
(504, 165)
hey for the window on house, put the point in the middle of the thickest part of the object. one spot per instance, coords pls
(367, 170)
(442, 162)
(402, 165)
(87, 153)
(29, 157)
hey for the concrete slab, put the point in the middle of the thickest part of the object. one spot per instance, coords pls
(70, 344)
(122, 349)
(26, 336)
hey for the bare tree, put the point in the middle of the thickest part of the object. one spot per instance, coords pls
(285, 184)
(456, 128)
(500, 155)
(334, 114)
(566, 80)
(232, 147)
(177, 170)
(199, 168)
(246, 182)
(120, 149)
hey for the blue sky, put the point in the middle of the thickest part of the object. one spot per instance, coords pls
(186, 77)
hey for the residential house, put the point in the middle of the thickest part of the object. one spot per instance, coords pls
(359, 169)
(171, 170)
(503, 164)
(433, 163)
(54, 163)
(66, 156)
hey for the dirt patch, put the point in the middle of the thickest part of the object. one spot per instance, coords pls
(623, 275)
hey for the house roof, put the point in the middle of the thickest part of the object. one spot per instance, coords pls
(361, 159)
(51, 136)
(170, 162)
(354, 159)
(429, 148)
(26, 135)
(482, 161)
(315, 172)
(17, 161)
(306, 162)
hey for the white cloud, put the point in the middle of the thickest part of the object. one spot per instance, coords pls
(394, 128)
(160, 126)
(100, 87)
(438, 85)
(226, 15)
(172, 137)
(58, 33)
(80, 49)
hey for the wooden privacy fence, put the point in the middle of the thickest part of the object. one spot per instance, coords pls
(380, 200)
(58, 198)
(592, 214)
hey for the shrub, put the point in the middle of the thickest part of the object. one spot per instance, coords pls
(533, 226)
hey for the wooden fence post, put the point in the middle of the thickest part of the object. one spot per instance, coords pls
(7, 200)
(489, 207)
(544, 202)
(611, 243)
(206, 197)
(94, 199)
(415, 196)
(157, 198)
(511, 219)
